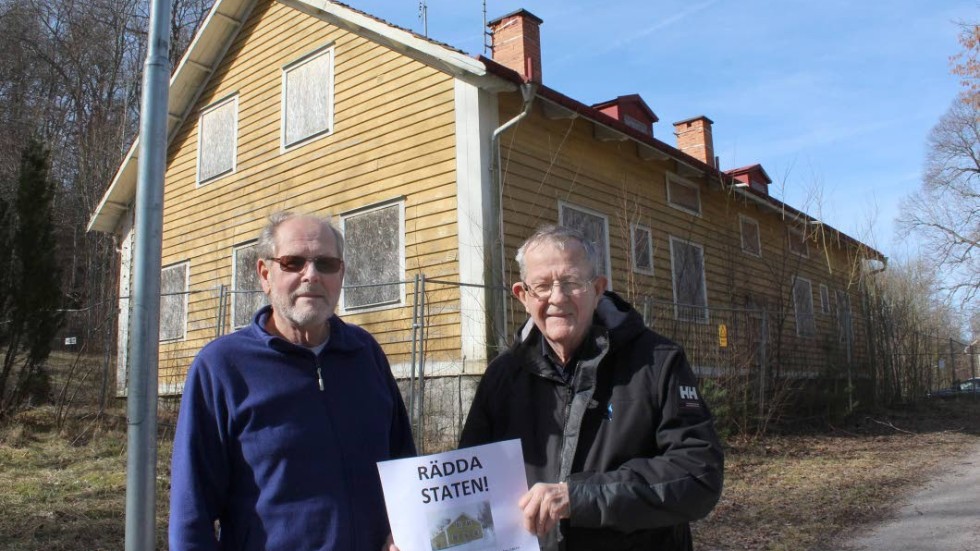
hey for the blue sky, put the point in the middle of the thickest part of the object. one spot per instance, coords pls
(834, 98)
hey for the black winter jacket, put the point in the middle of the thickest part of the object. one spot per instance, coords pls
(629, 433)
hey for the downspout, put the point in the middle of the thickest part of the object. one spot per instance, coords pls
(528, 92)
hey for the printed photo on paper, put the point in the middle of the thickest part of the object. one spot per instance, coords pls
(463, 500)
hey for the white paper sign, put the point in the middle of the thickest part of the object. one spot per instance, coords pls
(463, 500)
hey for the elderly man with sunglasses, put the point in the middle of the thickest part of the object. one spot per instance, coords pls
(282, 422)
(619, 448)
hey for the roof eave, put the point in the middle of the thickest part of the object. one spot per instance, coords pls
(206, 49)
(209, 46)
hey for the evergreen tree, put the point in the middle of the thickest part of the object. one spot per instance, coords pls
(6, 245)
(35, 284)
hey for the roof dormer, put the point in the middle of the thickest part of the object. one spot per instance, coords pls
(752, 176)
(632, 111)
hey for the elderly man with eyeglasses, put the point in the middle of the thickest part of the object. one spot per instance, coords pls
(282, 422)
(619, 447)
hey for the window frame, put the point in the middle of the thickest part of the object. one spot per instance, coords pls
(824, 299)
(790, 233)
(183, 294)
(234, 280)
(674, 281)
(233, 99)
(398, 203)
(800, 328)
(674, 179)
(327, 50)
(637, 124)
(636, 267)
(562, 205)
(744, 220)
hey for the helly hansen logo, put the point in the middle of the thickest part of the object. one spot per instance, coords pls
(689, 393)
(689, 398)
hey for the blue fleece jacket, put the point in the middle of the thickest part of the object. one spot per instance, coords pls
(280, 463)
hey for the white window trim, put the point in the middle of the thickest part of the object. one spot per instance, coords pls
(796, 309)
(234, 277)
(636, 268)
(328, 50)
(234, 140)
(824, 299)
(605, 224)
(802, 236)
(743, 219)
(674, 179)
(186, 293)
(400, 201)
(704, 281)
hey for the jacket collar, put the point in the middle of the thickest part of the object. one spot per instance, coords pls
(342, 339)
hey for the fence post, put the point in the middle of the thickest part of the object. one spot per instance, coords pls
(763, 361)
(421, 447)
(411, 379)
(219, 322)
(952, 359)
(973, 361)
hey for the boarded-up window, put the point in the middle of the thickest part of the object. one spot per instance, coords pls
(824, 299)
(173, 302)
(750, 236)
(797, 244)
(247, 296)
(637, 124)
(803, 306)
(683, 195)
(217, 140)
(690, 292)
(373, 256)
(594, 226)
(642, 242)
(307, 88)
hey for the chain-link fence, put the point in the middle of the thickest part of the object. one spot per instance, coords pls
(755, 367)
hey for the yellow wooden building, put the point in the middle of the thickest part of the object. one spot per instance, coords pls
(438, 164)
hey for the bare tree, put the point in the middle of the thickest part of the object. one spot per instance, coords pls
(945, 211)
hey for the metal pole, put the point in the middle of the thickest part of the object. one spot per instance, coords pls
(422, 320)
(144, 329)
(219, 320)
(411, 379)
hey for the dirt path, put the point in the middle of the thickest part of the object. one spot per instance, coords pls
(944, 515)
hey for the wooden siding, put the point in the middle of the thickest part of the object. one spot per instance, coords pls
(546, 161)
(393, 137)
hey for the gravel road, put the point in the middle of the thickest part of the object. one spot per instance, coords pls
(943, 515)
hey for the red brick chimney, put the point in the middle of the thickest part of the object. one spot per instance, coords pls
(516, 43)
(694, 138)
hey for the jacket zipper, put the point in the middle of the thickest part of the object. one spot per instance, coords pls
(569, 393)
(319, 372)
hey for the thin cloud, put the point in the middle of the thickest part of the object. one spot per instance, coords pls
(629, 39)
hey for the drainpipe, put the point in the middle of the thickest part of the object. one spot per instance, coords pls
(528, 91)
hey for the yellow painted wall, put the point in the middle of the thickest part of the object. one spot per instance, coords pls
(392, 137)
(546, 161)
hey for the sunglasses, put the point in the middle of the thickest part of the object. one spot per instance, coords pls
(322, 264)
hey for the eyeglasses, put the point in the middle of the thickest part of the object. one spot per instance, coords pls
(322, 264)
(569, 287)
